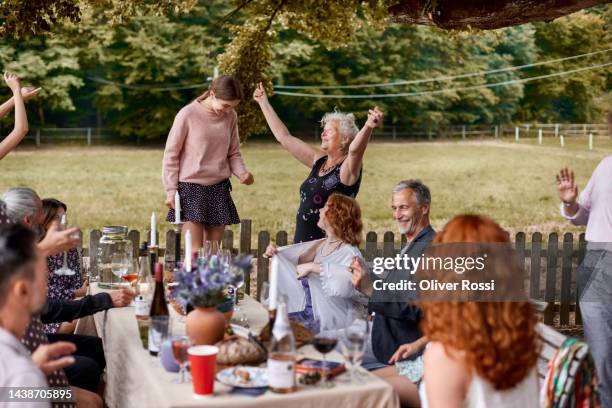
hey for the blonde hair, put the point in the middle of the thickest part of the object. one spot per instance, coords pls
(346, 123)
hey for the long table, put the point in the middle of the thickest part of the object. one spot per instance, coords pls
(136, 379)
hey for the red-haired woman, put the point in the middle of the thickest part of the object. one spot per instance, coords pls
(322, 294)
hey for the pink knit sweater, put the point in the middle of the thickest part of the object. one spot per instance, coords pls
(202, 148)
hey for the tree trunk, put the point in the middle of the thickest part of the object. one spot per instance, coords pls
(484, 14)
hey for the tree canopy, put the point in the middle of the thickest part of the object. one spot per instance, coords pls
(130, 65)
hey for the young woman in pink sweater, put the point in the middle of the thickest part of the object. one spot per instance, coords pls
(202, 152)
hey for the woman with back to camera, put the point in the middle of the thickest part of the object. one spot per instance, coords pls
(480, 354)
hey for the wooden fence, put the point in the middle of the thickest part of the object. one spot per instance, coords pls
(550, 264)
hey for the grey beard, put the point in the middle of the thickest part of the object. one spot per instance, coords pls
(412, 226)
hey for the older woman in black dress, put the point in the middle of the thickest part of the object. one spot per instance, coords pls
(335, 166)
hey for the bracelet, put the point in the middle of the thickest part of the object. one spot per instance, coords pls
(568, 205)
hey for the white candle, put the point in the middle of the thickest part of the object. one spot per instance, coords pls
(273, 284)
(153, 230)
(188, 251)
(177, 207)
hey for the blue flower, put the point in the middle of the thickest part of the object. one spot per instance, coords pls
(206, 285)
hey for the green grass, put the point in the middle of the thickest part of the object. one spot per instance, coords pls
(511, 182)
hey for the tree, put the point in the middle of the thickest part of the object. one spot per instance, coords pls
(21, 18)
(128, 62)
(573, 97)
(48, 63)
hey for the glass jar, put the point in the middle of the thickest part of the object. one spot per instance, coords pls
(115, 256)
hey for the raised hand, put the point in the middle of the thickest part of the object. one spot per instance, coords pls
(356, 272)
(375, 118)
(29, 92)
(12, 81)
(56, 240)
(566, 186)
(259, 95)
(271, 250)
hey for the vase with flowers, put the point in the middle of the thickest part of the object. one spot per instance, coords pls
(204, 288)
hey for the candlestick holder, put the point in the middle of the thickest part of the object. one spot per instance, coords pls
(178, 228)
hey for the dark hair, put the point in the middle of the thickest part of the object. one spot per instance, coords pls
(225, 87)
(50, 207)
(17, 255)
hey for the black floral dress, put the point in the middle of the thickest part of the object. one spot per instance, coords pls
(63, 286)
(314, 192)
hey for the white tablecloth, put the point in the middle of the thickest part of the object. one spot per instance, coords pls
(136, 379)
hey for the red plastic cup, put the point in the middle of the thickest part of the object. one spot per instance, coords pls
(203, 360)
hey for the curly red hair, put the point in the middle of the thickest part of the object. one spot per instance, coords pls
(497, 339)
(344, 216)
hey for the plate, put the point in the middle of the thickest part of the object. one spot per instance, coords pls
(235, 377)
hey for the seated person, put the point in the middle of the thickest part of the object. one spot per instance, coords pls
(321, 294)
(62, 286)
(24, 206)
(396, 340)
(22, 294)
(490, 362)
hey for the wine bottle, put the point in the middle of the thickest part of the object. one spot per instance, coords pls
(282, 355)
(144, 284)
(158, 306)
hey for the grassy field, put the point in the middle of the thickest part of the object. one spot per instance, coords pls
(511, 182)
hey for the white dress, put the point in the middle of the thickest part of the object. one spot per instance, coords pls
(331, 291)
(481, 394)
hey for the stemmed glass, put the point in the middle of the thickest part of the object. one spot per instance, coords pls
(120, 265)
(239, 275)
(354, 341)
(158, 332)
(264, 294)
(207, 250)
(180, 344)
(64, 270)
(325, 342)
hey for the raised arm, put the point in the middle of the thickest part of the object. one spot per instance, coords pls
(301, 150)
(27, 93)
(351, 167)
(577, 212)
(21, 119)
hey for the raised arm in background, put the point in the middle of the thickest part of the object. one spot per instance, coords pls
(21, 120)
(301, 150)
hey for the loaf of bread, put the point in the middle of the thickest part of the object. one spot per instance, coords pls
(238, 350)
(301, 334)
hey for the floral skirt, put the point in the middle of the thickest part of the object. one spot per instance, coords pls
(208, 205)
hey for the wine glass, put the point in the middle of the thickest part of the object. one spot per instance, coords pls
(225, 258)
(158, 332)
(64, 270)
(264, 294)
(354, 341)
(324, 343)
(180, 344)
(239, 282)
(120, 265)
(206, 251)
